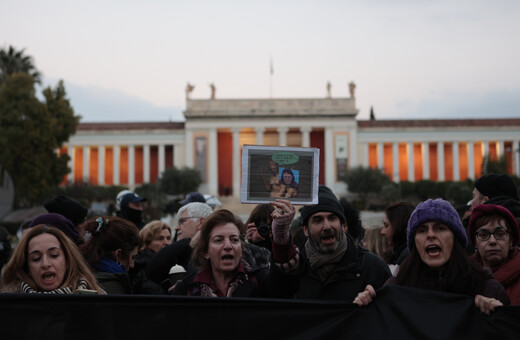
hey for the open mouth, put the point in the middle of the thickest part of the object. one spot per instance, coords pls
(328, 239)
(227, 257)
(48, 277)
(433, 250)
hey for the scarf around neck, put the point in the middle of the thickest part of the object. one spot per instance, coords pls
(26, 288)
(323, 264)
(108, 265)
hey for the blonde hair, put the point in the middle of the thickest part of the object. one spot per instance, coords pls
(16, 271)
(374, 241)
(149, 231)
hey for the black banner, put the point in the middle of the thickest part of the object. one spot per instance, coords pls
(396, 313)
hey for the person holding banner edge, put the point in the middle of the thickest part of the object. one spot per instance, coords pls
(438, 261)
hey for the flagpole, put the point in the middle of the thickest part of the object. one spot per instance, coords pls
(271, 78)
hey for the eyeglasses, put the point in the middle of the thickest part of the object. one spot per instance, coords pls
(499, 234)
(184, 219)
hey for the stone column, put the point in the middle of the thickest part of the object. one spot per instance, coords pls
(501, 148)
(101, 165)
(131, 166)
(329, 158)
(213, 162)
(366, 155)
(86, 164)
(411, 164)
(282, 135)
(395, 161)
(117, 162)
(70, 151)
(177, 156)
(146, 163)
(380, 158)
(236, 162)
(190, 163)
(471, 160)
(260, 135)
(440, 161)
(353, 149)
(161, 160)
(426, 160)
(456, 163)
(486, 148)
(306, 136)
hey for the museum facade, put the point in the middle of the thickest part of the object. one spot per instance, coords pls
(215, 130)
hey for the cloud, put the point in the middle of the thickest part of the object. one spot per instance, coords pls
(97, 104)
(494, 104)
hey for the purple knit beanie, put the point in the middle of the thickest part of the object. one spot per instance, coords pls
(436, 210)
(60, 222)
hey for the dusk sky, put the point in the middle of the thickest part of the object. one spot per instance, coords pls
(411, 59)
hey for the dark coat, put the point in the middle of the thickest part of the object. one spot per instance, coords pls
(352, 274)
(118, 283)
(140, 281)
(255, 286)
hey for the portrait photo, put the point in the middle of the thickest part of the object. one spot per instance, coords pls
(271, 172)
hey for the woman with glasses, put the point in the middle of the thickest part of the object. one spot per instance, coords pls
(495, 233)
(438, 260)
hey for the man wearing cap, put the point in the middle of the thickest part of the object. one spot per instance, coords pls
(193, 197)
(132, 209)
(329, 266)
(491, 186)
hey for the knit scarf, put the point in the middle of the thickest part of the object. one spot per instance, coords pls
(323, 264)
(25, 288)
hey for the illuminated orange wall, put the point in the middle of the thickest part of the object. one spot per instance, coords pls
(478, 151)
(78, 164)
(123, 165)
(448, 161)
(61, 151)
(168, 156)
(434, 161)
(109, 166)
(93, 166)
(154, 163)
(138, 166)
(463, 161)
(372, 155)
(403, 162)
(417, 162)
(388, 160)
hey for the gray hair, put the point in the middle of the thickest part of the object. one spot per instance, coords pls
(196, 209)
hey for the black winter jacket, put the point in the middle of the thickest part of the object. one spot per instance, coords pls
(352, 274)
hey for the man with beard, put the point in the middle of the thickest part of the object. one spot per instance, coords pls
(329, 266)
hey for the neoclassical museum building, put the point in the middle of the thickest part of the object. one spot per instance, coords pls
(211, 139)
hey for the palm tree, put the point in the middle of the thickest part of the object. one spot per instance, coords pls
(13, 61)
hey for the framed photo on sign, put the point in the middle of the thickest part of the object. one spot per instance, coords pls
(271, 172)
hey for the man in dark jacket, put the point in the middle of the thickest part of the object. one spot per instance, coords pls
(329, 266)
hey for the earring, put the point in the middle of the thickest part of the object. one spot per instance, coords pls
(476, 250)
(119, 263)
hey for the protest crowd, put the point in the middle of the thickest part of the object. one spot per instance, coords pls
(320, 252)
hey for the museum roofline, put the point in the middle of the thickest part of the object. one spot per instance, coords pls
(89, 126)
(425, 123)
